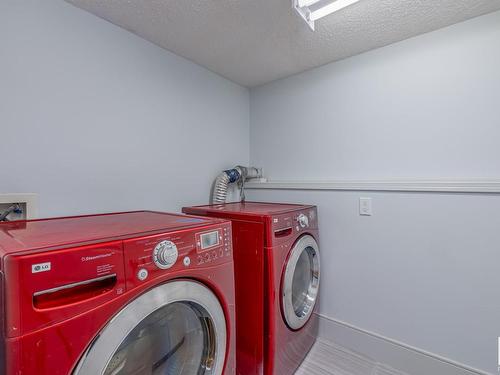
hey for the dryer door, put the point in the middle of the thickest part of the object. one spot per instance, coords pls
(301, 282)
(175, 328)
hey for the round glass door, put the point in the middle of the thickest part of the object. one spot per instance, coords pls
(176, 328)
(301, 282)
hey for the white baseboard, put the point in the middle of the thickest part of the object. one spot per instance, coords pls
(398, 355)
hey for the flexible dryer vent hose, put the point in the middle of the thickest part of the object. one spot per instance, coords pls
(237, 174)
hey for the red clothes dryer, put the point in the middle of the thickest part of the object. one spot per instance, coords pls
(277, 273)
(127, 293)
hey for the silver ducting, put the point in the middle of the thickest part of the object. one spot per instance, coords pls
(220, 188)
(238, 174)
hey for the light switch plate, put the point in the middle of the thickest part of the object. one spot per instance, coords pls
(365, 207)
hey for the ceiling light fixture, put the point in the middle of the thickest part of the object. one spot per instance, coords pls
(312, 10)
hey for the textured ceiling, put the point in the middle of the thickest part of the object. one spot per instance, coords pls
(252, 42)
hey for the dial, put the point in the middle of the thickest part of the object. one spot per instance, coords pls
(303, 220)
(165, 254)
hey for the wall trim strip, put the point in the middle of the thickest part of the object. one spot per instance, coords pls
(438, 185)
(394, 353)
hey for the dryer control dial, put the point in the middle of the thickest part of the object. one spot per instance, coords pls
(165, 254)
(303, 220)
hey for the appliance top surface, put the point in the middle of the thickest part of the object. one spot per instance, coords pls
(250, 208)
(18, 236)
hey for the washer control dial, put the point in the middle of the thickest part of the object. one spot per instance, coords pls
(165, 254)
(303, 220)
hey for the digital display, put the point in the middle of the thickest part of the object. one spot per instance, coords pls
(209, 240)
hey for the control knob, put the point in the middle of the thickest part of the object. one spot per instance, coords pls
(303, 220)
(165, 254)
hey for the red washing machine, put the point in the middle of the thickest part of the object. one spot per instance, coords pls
(277, 273)
(128, 293)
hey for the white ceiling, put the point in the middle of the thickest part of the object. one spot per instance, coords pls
(252, 42)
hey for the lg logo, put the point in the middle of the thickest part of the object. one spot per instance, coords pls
(40, 267)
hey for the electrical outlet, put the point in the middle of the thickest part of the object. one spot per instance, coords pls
(28, 204)
(365, 207)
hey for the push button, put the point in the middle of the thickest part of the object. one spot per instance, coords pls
(142, 274)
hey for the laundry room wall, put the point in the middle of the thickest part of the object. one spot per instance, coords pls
(96, 119)
(421, 274)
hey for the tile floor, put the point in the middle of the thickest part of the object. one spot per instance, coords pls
(327, 358)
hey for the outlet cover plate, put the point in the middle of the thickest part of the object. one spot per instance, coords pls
(28, 202)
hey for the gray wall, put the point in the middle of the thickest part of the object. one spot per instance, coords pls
(425, 107)
(422, 270)
(96, 119)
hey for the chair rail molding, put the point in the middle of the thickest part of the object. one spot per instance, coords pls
(398, 185)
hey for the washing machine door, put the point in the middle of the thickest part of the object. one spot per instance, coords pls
(175, 328)
(300, 283)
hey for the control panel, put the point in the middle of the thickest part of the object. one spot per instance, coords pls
(294, 222)
(157, 255)
(213, 245)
